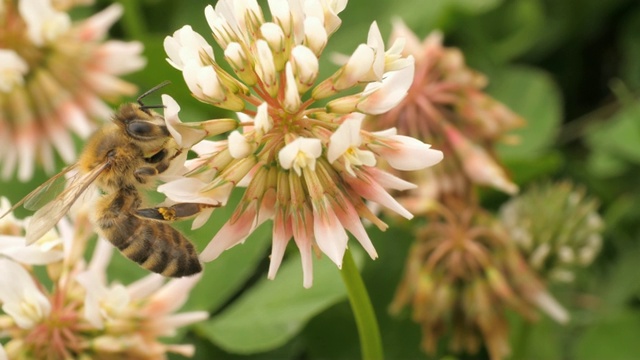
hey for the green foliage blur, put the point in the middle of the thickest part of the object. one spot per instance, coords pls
(571, 68)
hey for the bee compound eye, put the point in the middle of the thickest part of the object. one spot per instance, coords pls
(140, 129)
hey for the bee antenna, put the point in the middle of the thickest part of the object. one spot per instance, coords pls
(146, 107)
(150, 91)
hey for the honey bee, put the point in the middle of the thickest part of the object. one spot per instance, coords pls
(121, 158)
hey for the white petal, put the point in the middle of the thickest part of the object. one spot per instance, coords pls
(408, 153)
(305, 67)
(377, 44)
(291, 97)
(239, 147)
(44, 23)
(380, 97)
(12, 69)
(185, 136)
(20, 296)
(346, 136)
(315, 35)
(356, 68)
(262, 120)
(300, 153)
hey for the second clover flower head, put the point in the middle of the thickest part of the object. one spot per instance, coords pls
(310, 168)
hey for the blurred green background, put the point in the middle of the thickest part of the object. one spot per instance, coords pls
(571, 68)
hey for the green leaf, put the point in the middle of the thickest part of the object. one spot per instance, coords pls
(273, 312)
(614, 337)
(629, 47)
(615, 141)
(534, 95)
(504, 34)
(225, 276)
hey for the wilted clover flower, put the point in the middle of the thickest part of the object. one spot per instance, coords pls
(556, 226)
(80, 315)
(309, 167)
(446, 107)
(462, 276)
(54, 76)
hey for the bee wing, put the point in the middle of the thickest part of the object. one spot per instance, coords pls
(48, 216)
(49, 189)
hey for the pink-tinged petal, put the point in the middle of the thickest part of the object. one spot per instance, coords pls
(413, 45)
(120, 57)
(302, 227)
(10, 160)
(26, 152)
(380, 97)
(76, 119)
(145, 286)
(96, 27)
(329, 233)
(389, 181)
(478, 165)
(407, 153)
(94, 106)
(282, 233)
(46, 155)
(171, 296)
(366, 187)
(100, 259)
(349, 218)
(167, 325)
(186, 350)
(551, 307)
(232, 233)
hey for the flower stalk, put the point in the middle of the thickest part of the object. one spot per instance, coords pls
(366, 321)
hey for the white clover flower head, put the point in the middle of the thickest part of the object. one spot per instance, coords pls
(308, 167)
(69, 92)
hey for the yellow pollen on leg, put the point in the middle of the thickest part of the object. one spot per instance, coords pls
(167, 213)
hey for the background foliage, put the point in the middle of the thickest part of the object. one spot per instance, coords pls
(570, 67)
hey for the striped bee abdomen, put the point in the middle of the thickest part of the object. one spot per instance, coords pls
(154, 245)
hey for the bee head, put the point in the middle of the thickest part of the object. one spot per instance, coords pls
(143, 125)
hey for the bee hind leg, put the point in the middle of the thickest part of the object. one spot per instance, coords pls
(172, 213)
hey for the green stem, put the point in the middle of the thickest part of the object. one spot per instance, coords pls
(368, 330)
(132, 20)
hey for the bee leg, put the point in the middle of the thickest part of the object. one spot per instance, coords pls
(143, 173)
(175, 212)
